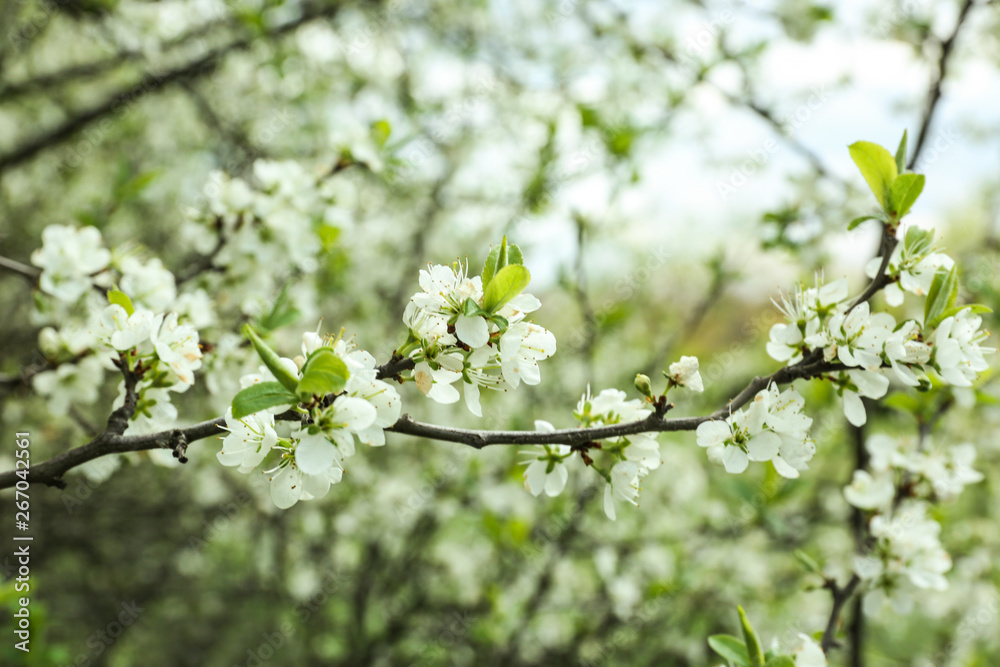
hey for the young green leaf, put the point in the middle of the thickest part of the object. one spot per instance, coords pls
(878, 167)
(261, 396)
(506, 284)
(976, 308)
(490, 267)
(780, 661)
(941, 296)
(121, 298)
(730, 648)
(754, 650)
(380, 132)
(514, 255)
(901, 155)
(807, 561)
(864, 218)
(905, 190)
(272, 361)
(323, 373)
(502, 259)
(918, 241)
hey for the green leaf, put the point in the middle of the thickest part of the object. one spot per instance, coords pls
(901, 155)
(514, 255)
(502, 259)
(272, 360)
(752, 641)
(780, 661)
(941, 297)
(905, 190)
(506, 284)
(976, 308)
(121, 298)
(323, 373)
(261, 396)
(878, 167)
(730, 648)
(380, 132)
(808, 562)
(918, 241)
(470, 308)
(864, 218)
(490, 267)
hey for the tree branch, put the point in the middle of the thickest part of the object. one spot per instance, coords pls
(196, 68)
(934, 95)
(30, 273)
(887, 245)
(841, 595)
(110, 442)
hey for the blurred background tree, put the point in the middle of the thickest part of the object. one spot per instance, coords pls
(667, 168)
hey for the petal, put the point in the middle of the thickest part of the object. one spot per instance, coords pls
(555, 481)
(764, 446)
(472, 399)
(472, 330)
(713, 433)
(784, 469)
(609, 503)
(355, 413)
(286, 487)
(534, 477)
(854, 409)
(314, 454)
(735, 460)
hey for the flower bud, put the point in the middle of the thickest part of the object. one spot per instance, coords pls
(643, 385)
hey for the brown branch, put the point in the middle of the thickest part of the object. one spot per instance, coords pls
(888, 244)
(841, 595)
(199, 67)
(111, 441)
(30, 273)
(934, 95)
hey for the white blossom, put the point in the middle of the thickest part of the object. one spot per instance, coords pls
(249, 440)
(870, 493)
(957, 354)
(546, 470)
(68, 259)
(70, 383)
(624, 485)
(684, 373)
(177, 346)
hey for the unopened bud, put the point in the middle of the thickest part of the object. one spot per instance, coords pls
(643, 385)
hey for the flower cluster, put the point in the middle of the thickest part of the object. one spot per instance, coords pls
(772, 428)
(283, 217)
(868, 343)
(911, 266)
(907, 552)
(455, 335)
(635, 455)
(70, 259)
(147, 325)
(311, 458)
(164, 352)
(931, 474)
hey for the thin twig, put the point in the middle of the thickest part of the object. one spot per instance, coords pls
(934, 95)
